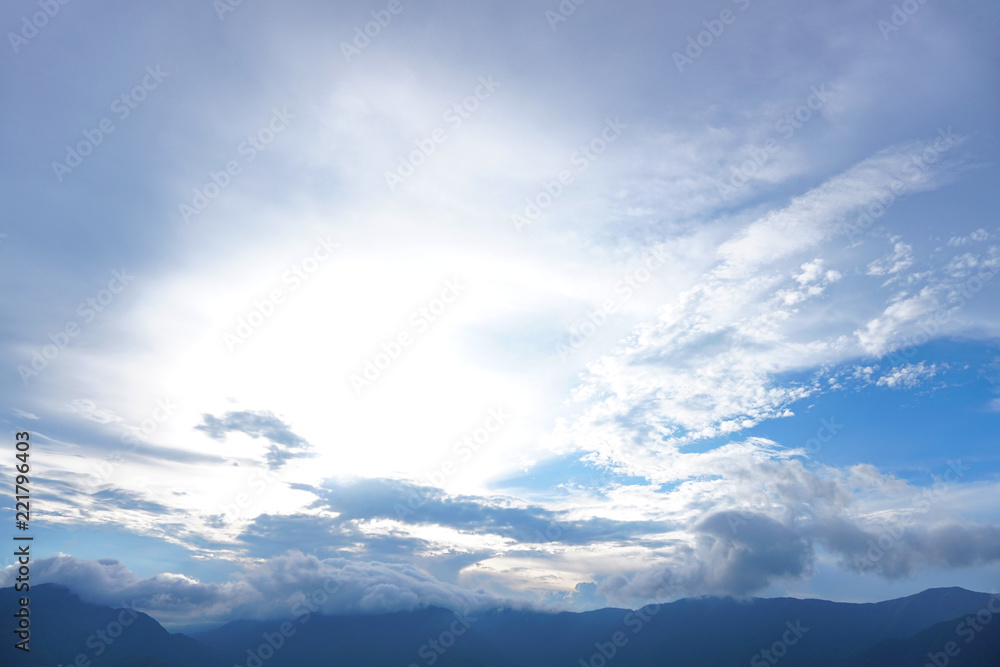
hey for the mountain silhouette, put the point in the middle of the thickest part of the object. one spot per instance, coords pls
(955, 643)
(63, 627)
(698, 632)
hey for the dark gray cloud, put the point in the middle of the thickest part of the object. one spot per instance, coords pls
(269, 535)
(734, 553)
(284, 444)
(899, 549)
(360, 501)
(739, 553)
(955, 546)
(393, 499)
(742, 553)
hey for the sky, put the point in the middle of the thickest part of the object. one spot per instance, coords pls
(476, 304)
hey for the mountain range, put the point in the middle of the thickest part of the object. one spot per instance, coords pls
(938, 627)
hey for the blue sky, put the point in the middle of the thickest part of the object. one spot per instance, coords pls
(490, 307)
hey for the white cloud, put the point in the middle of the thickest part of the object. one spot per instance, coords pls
(978, 236)
(900, 260)
(709, 366)
(882, 331)
(813, 281)
(816, 216)
(908, 376)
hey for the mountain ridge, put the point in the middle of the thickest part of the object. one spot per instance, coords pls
(696, 632)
